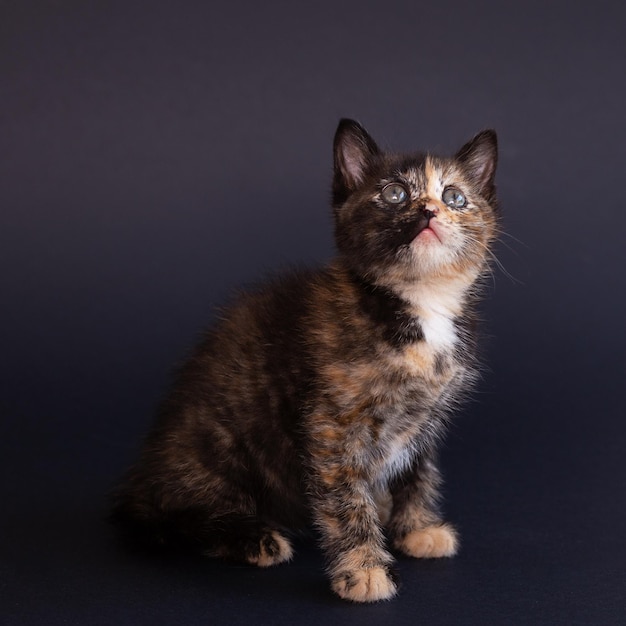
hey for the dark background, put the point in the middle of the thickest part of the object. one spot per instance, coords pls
(155, 156)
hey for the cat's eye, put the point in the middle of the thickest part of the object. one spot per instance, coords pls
(394, 193)
(454, 198)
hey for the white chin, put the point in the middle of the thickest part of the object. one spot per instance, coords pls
(430, 254)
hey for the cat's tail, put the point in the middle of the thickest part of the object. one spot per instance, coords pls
(142, 522)
(137, 519)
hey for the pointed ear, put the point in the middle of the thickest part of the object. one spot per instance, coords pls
(354, 150)
(479, 158)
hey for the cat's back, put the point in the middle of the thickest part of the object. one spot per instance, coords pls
(258, 353)
(297, 314)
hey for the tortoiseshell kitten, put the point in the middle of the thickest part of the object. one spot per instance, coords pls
(322, 396)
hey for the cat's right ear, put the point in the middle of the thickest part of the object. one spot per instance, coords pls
(354, 150)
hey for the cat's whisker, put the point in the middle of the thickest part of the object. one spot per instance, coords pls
(503, 232)
(508, 247)
(492, 274)
(503, 269)
(495, 260)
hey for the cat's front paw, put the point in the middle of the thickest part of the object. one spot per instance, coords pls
(365, 585)
(431, 542)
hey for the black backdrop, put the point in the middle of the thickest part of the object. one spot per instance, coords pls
(154, 156)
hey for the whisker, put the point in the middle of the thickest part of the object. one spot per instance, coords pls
(495, 259)
(503, 232)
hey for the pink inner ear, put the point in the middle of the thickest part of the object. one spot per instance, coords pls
(484, 172)
(355, 154)
(354, 164)
(479, 157)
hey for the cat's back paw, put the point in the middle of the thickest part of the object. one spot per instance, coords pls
(273, 549)
(263, 547)
(432, 542)
(365, 585)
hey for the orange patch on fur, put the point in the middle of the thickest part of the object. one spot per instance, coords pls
(419, 358)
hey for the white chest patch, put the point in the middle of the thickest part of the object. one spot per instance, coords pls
(439, 331)
(437, 305)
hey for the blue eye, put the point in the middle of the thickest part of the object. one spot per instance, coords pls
(454, 198)
(394, 193)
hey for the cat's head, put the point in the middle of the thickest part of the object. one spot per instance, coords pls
(407, 217)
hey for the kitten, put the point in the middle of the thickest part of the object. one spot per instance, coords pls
(322, 396)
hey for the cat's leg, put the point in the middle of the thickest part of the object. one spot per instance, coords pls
(353, 542)
(384, 505)
(247, 540)
(352, 539)
(415, 527)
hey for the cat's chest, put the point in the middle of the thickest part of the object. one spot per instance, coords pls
(435, 310)
(433, 358)
(439, 331)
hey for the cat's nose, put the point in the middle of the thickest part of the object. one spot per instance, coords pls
(429, 211)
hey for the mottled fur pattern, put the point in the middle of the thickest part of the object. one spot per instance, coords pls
(321, 397)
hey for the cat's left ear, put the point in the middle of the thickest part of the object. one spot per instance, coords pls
(479, 158)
